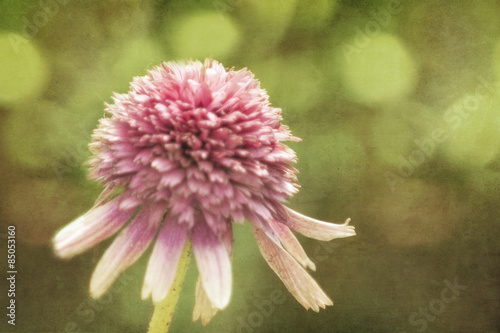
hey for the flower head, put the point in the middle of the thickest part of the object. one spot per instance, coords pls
(194, 147)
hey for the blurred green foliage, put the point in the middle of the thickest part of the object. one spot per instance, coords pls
(398, 108)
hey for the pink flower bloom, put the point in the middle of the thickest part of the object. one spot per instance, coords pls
(190, 149)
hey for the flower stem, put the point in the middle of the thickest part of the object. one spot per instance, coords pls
(164, 310)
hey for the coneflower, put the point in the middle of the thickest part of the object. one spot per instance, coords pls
(192, 148)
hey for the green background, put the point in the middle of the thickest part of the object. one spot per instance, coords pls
(398, 108)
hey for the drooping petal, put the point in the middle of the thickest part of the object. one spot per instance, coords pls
(125, 249)
(213, 264)
(298, 282)
(162, 267)
(291, 244)
(316, 229)
(203, 308)
(93, 227)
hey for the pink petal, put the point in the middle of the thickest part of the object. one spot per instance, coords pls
(298, 282)
(213, 264)
(130, 202)
(163, 164)
(99, 223)
(162, 267)
(316, 229)
(203, 95)
(172, 177)
(291, 244)
(227, 238)
(203, 308)
(125, 249)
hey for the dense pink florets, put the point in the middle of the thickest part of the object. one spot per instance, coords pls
(196, 136)
(194, 147)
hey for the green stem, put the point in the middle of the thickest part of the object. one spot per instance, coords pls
(164, 311)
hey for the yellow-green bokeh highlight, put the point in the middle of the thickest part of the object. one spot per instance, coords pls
(379, 70)
(496, 63)
(294, 83)
(24, 71)
(473, 126)
(203, 34)
(127, 59)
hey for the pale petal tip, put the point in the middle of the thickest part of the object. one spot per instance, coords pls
(58, 247)
(205, 321)
(321, 303)
(323, 307)
(59, 253)
(61, 246)
(145, 292)
(148, 292)
(311, 265)
(96, 289)
(220, 301)
(351, 230)
(158, 297)
(101, 280)
(204, 318)
(203, 308)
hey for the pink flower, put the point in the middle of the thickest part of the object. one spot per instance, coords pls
(190, 149)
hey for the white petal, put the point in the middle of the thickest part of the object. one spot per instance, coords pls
(162, 267)
(298, 282)
(203, 308)
(213, 264)
(291, 244)
(93, 227)
(316, 229)
(125, 250)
